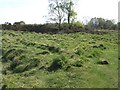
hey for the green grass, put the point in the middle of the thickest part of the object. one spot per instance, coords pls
(60, 60)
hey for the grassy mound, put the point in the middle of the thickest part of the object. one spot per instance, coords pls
(72, 60)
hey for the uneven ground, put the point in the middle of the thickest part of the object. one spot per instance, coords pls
(60, 60)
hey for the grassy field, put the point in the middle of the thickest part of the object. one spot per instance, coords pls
(60, 60)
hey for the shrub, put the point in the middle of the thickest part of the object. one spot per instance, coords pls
(64, 26)
(78, 24)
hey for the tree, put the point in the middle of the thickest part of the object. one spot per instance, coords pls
(19, 23)
(93, 24)
(6, 26)
(118, 25)
(101, 23)
(114, 27)
(69, 10)
(110, 24)
(56, 13)
(62, 10)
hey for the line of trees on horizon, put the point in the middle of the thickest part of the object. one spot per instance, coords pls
(62, 17)
(93, 24)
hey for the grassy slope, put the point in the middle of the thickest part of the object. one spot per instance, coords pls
(81, 51)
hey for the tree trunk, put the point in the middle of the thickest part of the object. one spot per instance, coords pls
(59, 24)
(69, 20)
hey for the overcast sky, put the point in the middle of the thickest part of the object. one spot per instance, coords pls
(32, 11)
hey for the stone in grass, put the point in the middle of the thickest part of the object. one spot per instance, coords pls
(103, 62)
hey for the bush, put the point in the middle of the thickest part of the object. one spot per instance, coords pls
(64, 26)
(78, 24)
